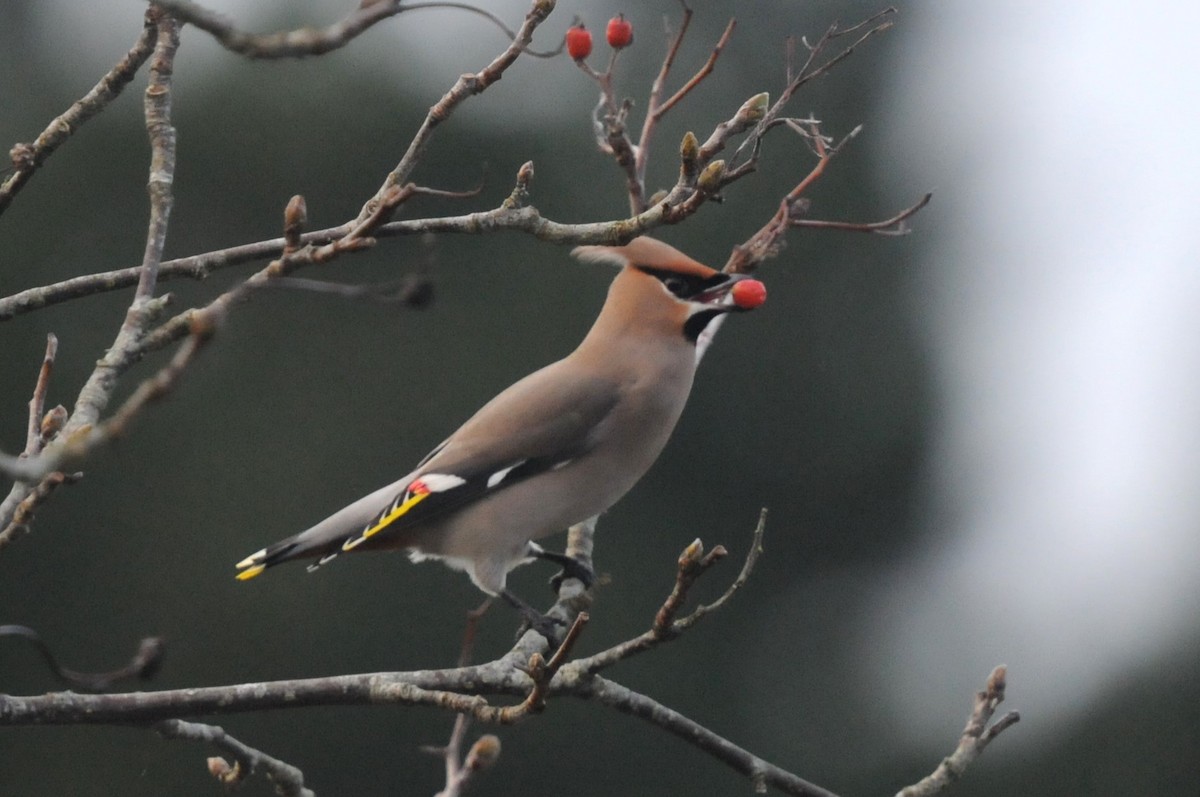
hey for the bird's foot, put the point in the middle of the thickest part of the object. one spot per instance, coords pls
(571, 567)
(551, 628)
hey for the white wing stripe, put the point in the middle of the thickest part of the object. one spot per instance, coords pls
(499, 475)
(441, 482)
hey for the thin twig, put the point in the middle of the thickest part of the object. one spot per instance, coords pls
(82, 432)
(499, 23)
(692, 564)
(97, 391)
(762, 774)
(811, 70)
(303, 42)
(37, 404)
(144, 664)
(150, 390)
(345, 690)
(26, 158)
(542, 673)
(752, 555)
(285, 44)
(19, 506)
(766, 241)
(288, 780)
(891, 226)
(461, 771)
(650, 122)
(467, 85)
(486, 749)
(510, 215)
(702, 73)
(29, 501)
(653, 101)
(411, 290)
(975, 737)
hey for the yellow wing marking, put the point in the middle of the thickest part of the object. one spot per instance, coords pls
(385, 521)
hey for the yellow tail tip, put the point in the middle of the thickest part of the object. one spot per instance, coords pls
(250, 573)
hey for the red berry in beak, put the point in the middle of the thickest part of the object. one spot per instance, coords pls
(748, 294)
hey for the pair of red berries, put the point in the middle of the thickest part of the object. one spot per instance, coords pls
(619, 34)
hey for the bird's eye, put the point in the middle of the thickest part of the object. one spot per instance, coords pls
(676, 285)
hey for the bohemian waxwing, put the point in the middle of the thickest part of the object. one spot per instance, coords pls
(558, 447)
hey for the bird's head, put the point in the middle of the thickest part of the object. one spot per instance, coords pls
(665, 291)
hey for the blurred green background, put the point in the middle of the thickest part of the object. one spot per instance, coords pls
(956, 473)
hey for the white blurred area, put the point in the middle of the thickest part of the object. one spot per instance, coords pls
(1062, 310)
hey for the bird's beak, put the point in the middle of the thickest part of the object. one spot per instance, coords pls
(739, 293)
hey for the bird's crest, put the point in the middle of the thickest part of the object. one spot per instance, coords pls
(645, 252)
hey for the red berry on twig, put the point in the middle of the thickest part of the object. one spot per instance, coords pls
(579, 42)
(619, 32)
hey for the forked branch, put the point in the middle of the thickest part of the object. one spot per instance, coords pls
(976, 736)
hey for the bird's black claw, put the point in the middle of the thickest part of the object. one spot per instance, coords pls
(571, 568)
(557, 579)
(550, 628)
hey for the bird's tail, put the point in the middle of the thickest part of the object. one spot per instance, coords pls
(325, 540)
(282, 551)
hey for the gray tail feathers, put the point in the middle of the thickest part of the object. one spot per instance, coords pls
(283, 551)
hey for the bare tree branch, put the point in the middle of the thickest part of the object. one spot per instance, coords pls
(285, 44)
(766, 241)
(610, 120)
(21, 503)
(144, 664)
(83, 432)
(656, 92)
(34, 439)
(761, 773)
(975, 737)
(466, 86)
(659, 111)
(144, 309)
(518, 219)
(26, 158)
(288, 780)
(814, 68)
(27, 502)
(460, 689)
(460, 771)
(303, 42)
(891, 226)
(157, 107)
(486, 750)
(692, 564)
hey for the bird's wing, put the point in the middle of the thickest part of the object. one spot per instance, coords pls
(540, 423)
